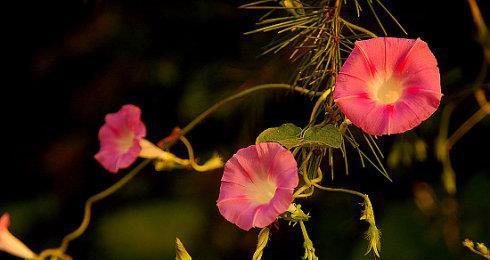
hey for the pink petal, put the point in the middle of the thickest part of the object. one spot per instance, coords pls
(267, 214)
(406, 118)
(379, 120)
(356, 109)
(358, 65)
(257, 185)
(245, 220)
(231, 191)
(134, 120)
(266, 153)
(4, 221)
(233, 208)
(120, 138)
(388, 85)
(414, 107)
(427, 79)
(416, 58)
(283, 167)
(110, 136)
(240, 177)
(357, 87)
(128, 158)
(244, 168)
(128, 118)
(373, 54)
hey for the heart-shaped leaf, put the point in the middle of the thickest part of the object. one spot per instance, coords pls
(328, 135)
(288, 135)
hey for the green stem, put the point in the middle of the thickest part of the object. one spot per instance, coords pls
(358, 28)
(353, 192)
(334, 67)
(318, 103)
(365, 197)
(97, 197)
(304, 231)
(245, 92)
(308, 244)
(465, 127)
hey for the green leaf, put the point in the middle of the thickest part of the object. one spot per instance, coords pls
(328, 135)
(287, 135)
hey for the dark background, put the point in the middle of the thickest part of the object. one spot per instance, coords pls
(71, 62)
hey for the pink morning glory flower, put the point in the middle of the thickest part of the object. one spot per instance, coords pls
(388, 85)
(257, 185)
(9, 243)
(120, 138)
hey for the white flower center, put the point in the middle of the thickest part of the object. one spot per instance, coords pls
(126, 141)
(262, 191)
(386, 88)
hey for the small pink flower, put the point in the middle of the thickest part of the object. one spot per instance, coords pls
(388, 85)
(257, 185)
(120, 138)
(9, 243)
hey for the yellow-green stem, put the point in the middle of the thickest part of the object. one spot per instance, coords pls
(353, 192)
(465, 127)
(97, 197)
(358, 28)
(245, 92)
(318, 103)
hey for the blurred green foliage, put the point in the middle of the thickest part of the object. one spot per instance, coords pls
(147, 230)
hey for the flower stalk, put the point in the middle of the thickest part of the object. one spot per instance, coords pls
(262, 240)
(308, 244)
(477, 248)
(181, 252)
